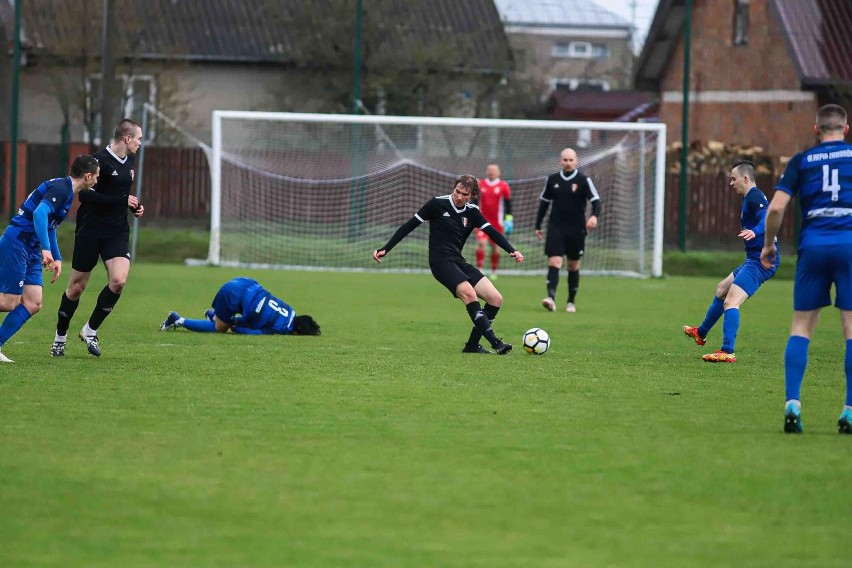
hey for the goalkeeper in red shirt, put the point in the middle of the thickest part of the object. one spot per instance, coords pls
(496, 205)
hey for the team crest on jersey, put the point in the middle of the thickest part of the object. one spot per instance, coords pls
(573, 188)
(464, 222)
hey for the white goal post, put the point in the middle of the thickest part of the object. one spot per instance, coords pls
(322, 191)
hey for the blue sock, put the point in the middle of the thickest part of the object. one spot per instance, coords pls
(730, 326)
(848, 372)
(204, 325)
(13, 322)
(714, 312)
(795, 363)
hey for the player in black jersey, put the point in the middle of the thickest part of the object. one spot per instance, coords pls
(102, 231)
(451, 220)
(568, 190)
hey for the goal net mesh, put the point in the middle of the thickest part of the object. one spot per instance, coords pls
(323, 195)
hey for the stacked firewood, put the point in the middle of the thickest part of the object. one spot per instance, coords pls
(714, 157)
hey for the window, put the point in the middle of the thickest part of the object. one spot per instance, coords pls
(136, 91)
(569, 84)
(740, 22)
(560, 50)
(580, 50)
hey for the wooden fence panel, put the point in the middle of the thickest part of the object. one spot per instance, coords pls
(713, 212)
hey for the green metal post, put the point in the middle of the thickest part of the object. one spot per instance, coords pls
(16, 88)
(357, 195)
(357, 58)
(684, 136)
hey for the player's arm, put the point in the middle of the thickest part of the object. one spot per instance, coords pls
(758, 212)
(495, 235)
(425, 213)
(508, 219)
(96, 198)
(56, 265)
(42, 231)
(248, 330)
(595, 200)
(785, 189)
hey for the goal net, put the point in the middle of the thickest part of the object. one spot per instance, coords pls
(313, 191)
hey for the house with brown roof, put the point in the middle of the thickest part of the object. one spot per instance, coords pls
(759, 69)
(189, 57)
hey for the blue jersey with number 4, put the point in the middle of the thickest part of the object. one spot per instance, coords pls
(822, 179)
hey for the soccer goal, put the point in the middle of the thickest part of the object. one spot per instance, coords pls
(321, 192)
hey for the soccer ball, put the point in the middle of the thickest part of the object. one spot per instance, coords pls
(536, 341)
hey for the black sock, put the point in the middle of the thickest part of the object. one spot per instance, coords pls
(475, 335)
(573, 284)
(552, 281)
(106, 302)
(66, 312)
(480, 322)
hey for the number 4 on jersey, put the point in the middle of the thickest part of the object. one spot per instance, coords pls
(834, 184)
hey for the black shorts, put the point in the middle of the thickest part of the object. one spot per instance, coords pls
(87, 249)
(571, 245)
(451, 273)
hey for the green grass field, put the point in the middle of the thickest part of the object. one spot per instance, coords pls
(380, 444)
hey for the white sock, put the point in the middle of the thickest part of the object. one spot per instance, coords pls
(796, 403)
(61, 338)
(88, 331)
(180, 321)
(848, 407)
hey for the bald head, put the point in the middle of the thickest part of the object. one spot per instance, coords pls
(492, 172)
(568, 160)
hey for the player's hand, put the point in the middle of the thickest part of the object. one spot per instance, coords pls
(56, 268)
(746, 234)
(767, 255)
(518, 256)
(46, 258)
(539, 235)
(132, 202)
(592, 223)
(508, 224)
(139, 211)
(378, 254)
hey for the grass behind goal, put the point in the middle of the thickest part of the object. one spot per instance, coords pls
(379, 444)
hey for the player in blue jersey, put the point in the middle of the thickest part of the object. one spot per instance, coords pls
(29, 244)
(821, 177)
(451, 220)
(244, 306)
(743, 282)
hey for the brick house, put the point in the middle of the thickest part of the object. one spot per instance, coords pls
(568, 44)
(759, 68)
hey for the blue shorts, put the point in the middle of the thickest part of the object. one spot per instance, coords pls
(229, 299)
(817, 268)
(19, 266)
(750, 275)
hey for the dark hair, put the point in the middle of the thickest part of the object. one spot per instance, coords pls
(831, 118)
(82, 165)
(127, 127)
(305, 325)
(470, 183)
(746, 168)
